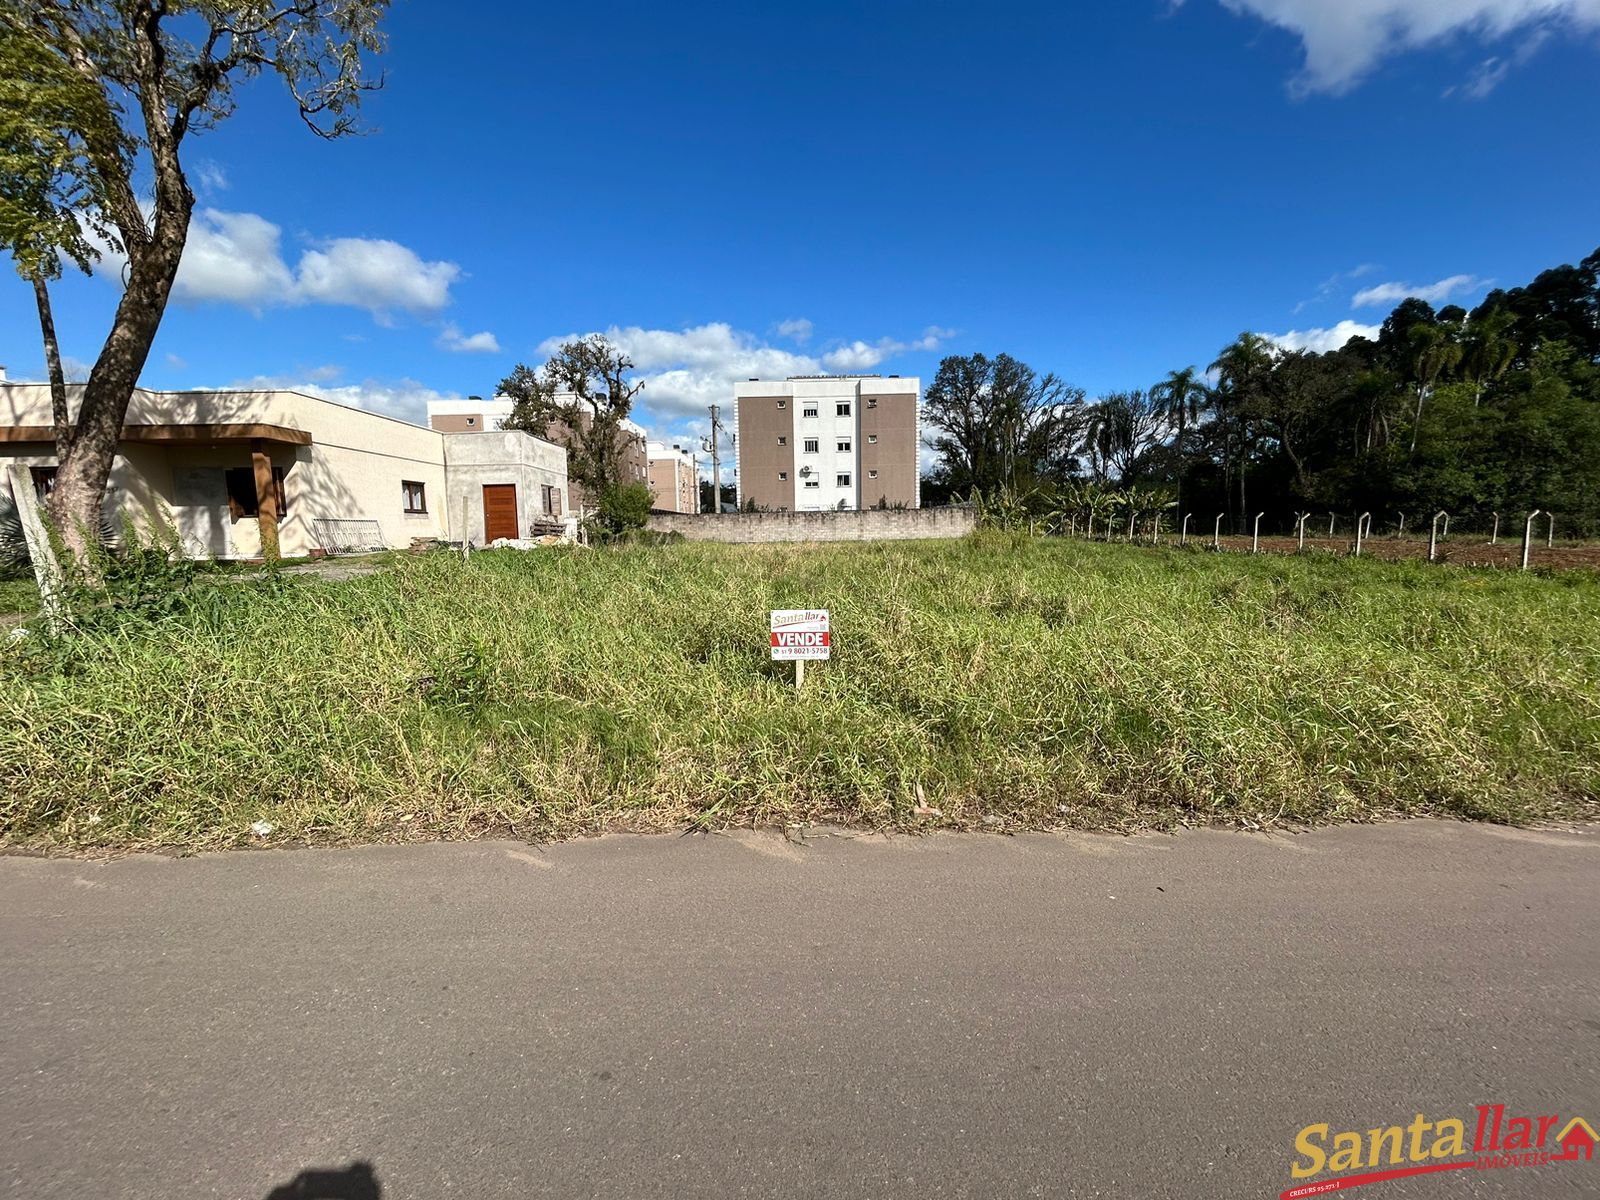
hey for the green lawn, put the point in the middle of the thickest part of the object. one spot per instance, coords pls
(18, 597)
(1006, 683)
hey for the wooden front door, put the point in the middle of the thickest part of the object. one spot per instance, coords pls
(499, 511)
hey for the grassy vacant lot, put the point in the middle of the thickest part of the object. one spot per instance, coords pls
(1006, 683)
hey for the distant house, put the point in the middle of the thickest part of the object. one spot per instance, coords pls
(477, 415)
(231, 471)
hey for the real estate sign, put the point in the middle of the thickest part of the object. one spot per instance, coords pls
(800, 633)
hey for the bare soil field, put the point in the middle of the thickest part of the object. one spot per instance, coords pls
(1461, 551)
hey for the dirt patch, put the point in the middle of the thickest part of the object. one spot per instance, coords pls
(1459, 551)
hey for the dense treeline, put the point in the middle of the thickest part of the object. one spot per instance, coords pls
(1497, 409)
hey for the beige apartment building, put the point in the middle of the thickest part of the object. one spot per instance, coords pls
(673, 478)
(233, 472)
(477, 415)
(810, 443)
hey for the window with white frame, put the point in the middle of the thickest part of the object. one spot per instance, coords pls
(872, 474)
(811, 445)
(872, 439)
(813, 483)
(783, 475)
(843, 479)
(842, 446)
(809, 410)
(782, 440)
(842, 409)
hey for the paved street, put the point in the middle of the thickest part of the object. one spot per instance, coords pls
(741, 1016)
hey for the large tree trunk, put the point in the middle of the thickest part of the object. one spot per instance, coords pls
(52, 362)
(81, 480)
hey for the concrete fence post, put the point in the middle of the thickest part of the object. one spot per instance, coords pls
(1072, 526)
(1155, 531)
(46, 569)
(1331, 518)
(1300, 531)
(1133, 515)
(1433, 535)
(1255, 535)
(1550, 532)
(1494, 534)
(1363, 527)
(1527, 538)
(1216, 534)
(1446, 534)
(1183, 539)
(1401, 532)
(1090, 534)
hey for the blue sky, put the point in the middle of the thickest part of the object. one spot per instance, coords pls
(1105, 190)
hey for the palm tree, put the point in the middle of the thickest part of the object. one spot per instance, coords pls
(1241, 370)
(1433, 352)
(1179, 398)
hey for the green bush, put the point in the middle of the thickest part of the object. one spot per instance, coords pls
(625, 506)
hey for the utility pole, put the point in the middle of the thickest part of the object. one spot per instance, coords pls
(716, 462)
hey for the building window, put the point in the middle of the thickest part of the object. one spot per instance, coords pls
(44, 481)
(241, 487)
(782, 440)
(872, 474)
(471, 421)
(872, 402)
(842, 409)
(843, 479)
(872, 439)
(552, 500)
(843, 445)
(415, 496)
(811, 445)
(783, 404)
(810, 410)
(783, 474)
(813, 483)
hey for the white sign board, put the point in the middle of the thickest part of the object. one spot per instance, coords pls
(800, 633)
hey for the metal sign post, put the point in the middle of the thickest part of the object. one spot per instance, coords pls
(799, 635)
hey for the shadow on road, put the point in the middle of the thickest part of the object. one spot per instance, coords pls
(355, 1182)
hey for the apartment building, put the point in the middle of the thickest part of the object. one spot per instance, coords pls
(809, 443)
(673, 478)
(477, 415)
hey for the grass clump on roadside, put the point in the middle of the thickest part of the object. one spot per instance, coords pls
(1029, 683)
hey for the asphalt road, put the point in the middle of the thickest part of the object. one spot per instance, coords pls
(740, 1016)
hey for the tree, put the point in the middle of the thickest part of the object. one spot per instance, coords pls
(1433, 352)
(47, 210)
(1242, 370)
(1001, 425)
(580, 399)
(1179, 398)
(151, 74)
(1120, 430)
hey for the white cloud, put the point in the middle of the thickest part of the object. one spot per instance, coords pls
(375, 274)
(452, 339)
(687, 370)
(796, 329)
(1322, 340)
(1387, 294)
(1333, 283)
(1345, 40)
(211, 176)
(237, 258)
(405, 398)
(233, 258)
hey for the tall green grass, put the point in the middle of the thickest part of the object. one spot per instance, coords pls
(1004, 682)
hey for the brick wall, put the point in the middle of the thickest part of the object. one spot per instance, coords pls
(871, 525)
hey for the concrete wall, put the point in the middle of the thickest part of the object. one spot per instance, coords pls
(863, 526)
(503, 456)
